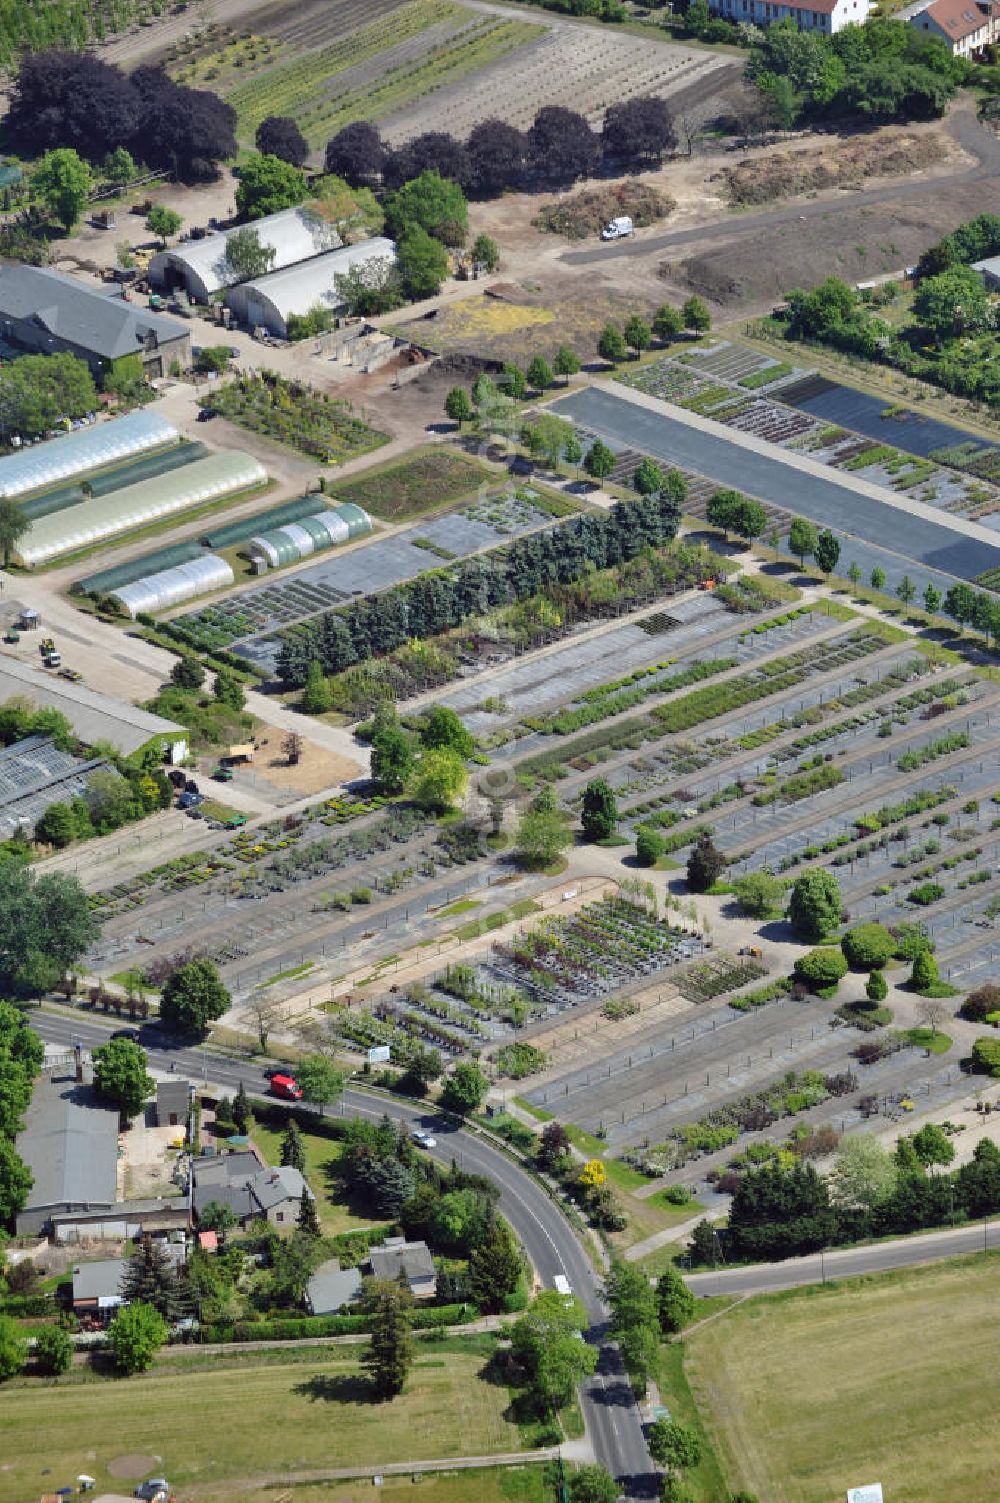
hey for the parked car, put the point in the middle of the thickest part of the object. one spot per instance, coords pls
(73, 674)
(206, 414)
(152, 1489)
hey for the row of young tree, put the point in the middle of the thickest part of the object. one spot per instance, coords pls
(441, 599)
(559, 148)
(72, 99)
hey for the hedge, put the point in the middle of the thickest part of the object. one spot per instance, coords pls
(299, 1328)
(22, 1305)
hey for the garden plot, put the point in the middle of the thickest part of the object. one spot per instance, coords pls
(576, 67)
(247, 621)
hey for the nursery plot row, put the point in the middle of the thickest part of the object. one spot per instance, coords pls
(737, 649)
(576, 68)
(770, 422)
(531, 685)
(733, 362)
(245, 618)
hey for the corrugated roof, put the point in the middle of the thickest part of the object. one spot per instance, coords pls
(219, 474)
(96, 319)
(299, 288)
(70, 1143)
(293, 234)
(39, 466)
(93, 716)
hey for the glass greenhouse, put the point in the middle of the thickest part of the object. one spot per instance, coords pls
(169, 587)
(221, 474)
(298, 540)
(40, 465)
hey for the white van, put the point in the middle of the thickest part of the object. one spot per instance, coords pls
(618, 228)
(561, 1284)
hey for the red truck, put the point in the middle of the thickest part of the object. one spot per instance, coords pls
(286, 1087)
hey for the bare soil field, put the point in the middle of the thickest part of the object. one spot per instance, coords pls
(584, 214)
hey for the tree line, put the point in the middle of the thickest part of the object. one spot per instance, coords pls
(72, 99)
(444, 598)
(559, 148)
(884, 70)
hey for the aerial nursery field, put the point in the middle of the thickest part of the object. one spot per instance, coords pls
(895, 1350)
(421, 65)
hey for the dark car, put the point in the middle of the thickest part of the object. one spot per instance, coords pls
(132, 1034)
(206, 414)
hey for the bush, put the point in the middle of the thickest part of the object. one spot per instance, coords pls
(925, 894)
(986, 1057)
(979, 1004)
(53, 1351)
(868, 947)
(821, 967)
(649, 846)
(876, 987)
(814, 907)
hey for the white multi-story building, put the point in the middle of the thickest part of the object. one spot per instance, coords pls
(818, 15)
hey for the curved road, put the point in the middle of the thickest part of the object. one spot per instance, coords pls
(610, 1411)
(964, 128)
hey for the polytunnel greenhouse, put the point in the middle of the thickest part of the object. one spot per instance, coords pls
(169, 587)
(40, 465)
(218, 475)
(309, 535)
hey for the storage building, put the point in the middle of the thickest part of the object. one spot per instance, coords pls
(170, 587)
(221, 474)
(45, 312)
(69, 1141)
(309, 535)
(270, 301)
(93, 716)
(200, 267)
(40, 466)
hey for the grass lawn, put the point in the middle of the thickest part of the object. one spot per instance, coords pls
(704, 1482)
(335, 1216)
(935, 1042)
(811, 1392)
(426, 480)
(527, 1484)
(292, 1411)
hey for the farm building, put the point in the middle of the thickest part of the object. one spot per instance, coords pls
(69, 1141)
(966, 27)
(45, 312)
(217, 475)
(60, 459)
(816, 15)
(268, 302)
(34, 774)
(199, 266)
(298, 540)
(92, 715)
(169, 587)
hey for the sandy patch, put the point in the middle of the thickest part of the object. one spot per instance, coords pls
(132, 1465)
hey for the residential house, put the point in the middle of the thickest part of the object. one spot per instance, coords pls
(250, 1189)
(818, 15)
(967, 27)
(410, 1260)
(45, 312)
(989, 270)
(332, 1287)
(97, 1287)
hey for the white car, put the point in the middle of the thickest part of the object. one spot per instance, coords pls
(423, 1139)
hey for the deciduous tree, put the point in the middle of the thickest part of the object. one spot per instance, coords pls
(674, 1301)
(163, 222)
(62, 182)
(464, 1089)
(192, 997)
(246, 256)
(814, 906)
(802, 537)
(120, 1076)
(136, 1334)
(267, 185)
(279, 136)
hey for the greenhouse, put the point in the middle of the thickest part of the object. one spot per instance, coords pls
(39, 465)
(201, 268)
(309, 535)
(270, 301)
(169, 587)
(221, 474)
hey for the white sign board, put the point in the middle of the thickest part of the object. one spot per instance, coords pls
(379, 1055)
(870, 1494)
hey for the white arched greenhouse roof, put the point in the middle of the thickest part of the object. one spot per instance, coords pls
(271, 300)
(42, 465)
(170, 587)
(293, 234)
(298, 540)
(101, 517)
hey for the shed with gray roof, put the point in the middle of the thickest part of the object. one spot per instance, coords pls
(332, 1287)
(70, 1143)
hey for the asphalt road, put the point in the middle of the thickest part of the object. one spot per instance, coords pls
(847, 1262)
(828, 502)
(610, 1411)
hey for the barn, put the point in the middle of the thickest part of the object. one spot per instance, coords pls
(199, 266)
(268, 302)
